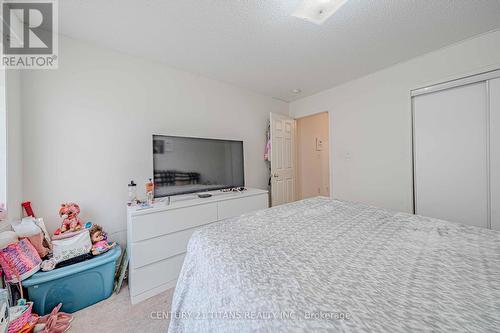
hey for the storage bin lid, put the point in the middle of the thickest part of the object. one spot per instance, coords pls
(42, 277)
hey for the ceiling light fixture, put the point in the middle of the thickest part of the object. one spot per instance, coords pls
(296, 91)
(318, 11)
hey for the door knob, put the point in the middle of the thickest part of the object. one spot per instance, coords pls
(275, 175)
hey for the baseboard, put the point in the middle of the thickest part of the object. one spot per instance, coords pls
(152, 292)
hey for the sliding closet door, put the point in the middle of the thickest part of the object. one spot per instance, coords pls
(450, 151)
(495, 152)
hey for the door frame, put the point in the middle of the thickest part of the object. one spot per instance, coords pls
(330, 147)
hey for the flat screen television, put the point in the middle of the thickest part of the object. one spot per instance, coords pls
(189, 165)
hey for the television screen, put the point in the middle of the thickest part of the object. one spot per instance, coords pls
(188, 165)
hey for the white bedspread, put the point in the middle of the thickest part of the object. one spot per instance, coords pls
(327, 265)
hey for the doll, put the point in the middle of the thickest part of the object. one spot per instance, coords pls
(69, 211)
(99, 240)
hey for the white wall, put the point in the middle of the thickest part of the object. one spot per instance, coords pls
(371, 122)
(88, 125)
(3, 146)
(14, 145)
(14, 135)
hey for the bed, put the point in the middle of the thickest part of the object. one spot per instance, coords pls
(327, 265)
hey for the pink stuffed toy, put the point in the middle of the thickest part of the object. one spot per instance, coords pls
(69, 211)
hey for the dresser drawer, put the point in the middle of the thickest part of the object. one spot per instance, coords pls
(236, 207)
(160, 223)
(156, 249)
(154, 275)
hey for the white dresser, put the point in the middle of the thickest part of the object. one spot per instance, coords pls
(157, 237)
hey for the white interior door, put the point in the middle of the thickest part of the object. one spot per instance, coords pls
(495, 152)
(451, 159)
(282, 159)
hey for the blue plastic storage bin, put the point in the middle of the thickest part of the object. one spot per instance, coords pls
(76, 286)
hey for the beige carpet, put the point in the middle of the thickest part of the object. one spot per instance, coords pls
(117, 314)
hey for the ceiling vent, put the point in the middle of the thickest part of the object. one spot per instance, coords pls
(318, 11)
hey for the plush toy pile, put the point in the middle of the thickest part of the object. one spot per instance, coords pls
(73, 241)
(22, 252)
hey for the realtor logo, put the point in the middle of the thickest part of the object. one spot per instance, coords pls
(29, 34)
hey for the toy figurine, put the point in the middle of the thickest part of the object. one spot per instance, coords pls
(69, 211)
(99, 240)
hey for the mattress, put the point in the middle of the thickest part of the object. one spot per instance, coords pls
(330, 266)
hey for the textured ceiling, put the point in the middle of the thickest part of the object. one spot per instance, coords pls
(256, 44)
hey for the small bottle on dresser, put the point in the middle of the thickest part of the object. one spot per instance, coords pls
(150, 186)
(132, 193)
